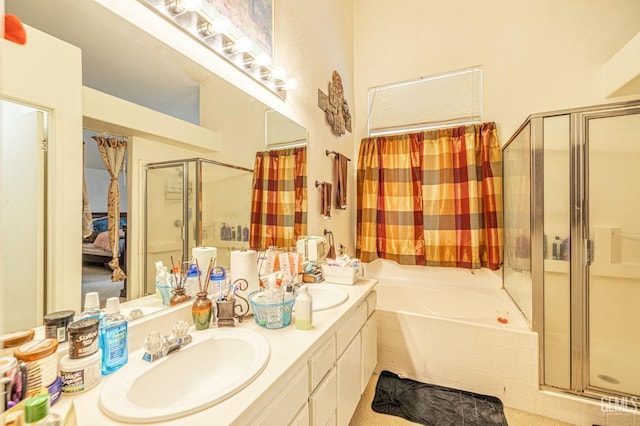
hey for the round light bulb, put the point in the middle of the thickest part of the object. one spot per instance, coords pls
(263, 59)
(278, 73)
(221, 24)
(191, 5)
(243, 44)
(291, 83)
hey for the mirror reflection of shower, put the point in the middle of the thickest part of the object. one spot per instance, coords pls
(23, 224)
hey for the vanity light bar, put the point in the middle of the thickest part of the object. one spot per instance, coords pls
(189, 17)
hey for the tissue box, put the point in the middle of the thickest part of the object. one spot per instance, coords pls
(342, 274)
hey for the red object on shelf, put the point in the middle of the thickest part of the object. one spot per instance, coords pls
(14, 30)
(503, 320)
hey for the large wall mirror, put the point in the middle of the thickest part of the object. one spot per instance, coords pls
(121, 60)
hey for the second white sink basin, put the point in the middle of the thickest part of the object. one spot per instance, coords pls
(327, 296)
(216, 365)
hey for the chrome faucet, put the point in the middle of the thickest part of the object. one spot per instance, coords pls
(157, 346)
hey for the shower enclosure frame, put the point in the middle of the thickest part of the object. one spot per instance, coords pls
(197, 197)
(581, 246)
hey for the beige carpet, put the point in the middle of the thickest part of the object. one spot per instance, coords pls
(98, 278)
(364, 415)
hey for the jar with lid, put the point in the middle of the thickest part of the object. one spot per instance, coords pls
(41, 362)
(55, 324)
(11, 341)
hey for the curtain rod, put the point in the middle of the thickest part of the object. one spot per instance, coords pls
(327, 153)
(294, 144)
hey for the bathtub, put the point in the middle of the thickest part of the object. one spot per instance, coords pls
(479, 305)
(439, 325)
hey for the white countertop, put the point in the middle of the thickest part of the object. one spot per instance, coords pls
(290, 349)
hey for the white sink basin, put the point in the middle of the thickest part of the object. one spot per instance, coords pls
(327, 296)
(216, 365)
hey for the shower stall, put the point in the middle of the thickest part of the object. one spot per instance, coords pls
(572, 245)
(194, 203)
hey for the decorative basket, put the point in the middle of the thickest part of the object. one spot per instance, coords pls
(271, 315)
(348, 275)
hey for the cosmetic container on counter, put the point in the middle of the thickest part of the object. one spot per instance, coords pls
(36, 412)
(11, 341)
(55, 324)
(41, 362)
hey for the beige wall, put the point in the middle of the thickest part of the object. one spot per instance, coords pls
(56, 87)
(536, 56)
(312, 39)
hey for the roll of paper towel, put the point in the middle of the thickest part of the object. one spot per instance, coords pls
(204, 256)
(244, 264)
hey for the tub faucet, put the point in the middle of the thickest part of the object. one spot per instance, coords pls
(157, 346)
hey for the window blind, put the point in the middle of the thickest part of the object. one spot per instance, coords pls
(440, 100)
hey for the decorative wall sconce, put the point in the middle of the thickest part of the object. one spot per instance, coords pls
(204, 23)
(335, 106)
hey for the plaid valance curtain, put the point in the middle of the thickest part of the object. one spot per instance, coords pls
(279, 198)
(431, 198)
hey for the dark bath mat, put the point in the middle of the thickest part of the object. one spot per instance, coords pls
(435, 405)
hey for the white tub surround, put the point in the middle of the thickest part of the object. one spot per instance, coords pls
(439, 325)
(280, 393)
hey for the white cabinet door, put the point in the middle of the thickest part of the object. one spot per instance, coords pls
(369, 349)
(323, 402)
(302, 419)
(349, 368)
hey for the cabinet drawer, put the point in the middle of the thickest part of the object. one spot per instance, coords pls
(324, 401)
(352, 325)
(285, 407)
(372, 303)
(321, 362)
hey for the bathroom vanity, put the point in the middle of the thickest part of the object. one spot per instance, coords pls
(313, 377)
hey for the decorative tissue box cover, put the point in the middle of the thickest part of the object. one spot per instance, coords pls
(342, 274)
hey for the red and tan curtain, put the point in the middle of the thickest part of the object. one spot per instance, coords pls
(458, 205)
(112, 151)
(279, 198)
(389, 203)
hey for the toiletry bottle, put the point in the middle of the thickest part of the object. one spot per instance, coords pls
(557, 248)
(159, 271)
(36, 411)
(565, 249)
(191, 283)
(217, 282)
(113, 338)
(92, 307)
(304, 309)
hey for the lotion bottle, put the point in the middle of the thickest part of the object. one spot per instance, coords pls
(304, 309)
(113, 338)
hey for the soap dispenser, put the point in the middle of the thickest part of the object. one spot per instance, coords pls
(304, 309)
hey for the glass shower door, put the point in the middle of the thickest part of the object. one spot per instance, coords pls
(613, 273)
(165, 218)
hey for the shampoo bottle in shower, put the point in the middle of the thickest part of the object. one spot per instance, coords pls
(557, 248)
(113, 338)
